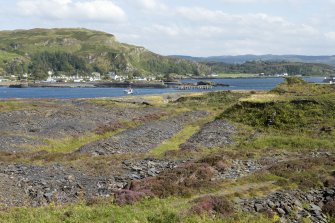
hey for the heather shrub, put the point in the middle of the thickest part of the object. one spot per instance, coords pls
(214, 205)
(329, 208)
(110, 127)
(124, 197)
(164, 217)
(181, 181)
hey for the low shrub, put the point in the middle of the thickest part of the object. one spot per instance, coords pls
(213, 205)
(217, 161)
(124, 197)
(165, 217)
(110, 127)
(181, 181)
(329, 208)
(306, 173)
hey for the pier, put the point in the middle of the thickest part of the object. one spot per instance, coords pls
(194, 87)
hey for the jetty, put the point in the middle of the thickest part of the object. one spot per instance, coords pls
(194, 87)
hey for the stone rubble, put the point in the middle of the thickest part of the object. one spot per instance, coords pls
(213, 134)
(292, 205)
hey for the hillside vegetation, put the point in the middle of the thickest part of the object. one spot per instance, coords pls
(272, 68)
(69, 51)
(239, 59)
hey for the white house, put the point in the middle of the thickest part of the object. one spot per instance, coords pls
(214, 75)
(3, 80)
(50, 79)
(115, 77)
(282, 75)
(95, 76)
(78, 80)
(140, 79)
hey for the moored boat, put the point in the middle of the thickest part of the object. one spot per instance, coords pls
(129, 91)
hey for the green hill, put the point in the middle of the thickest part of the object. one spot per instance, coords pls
(70, 51)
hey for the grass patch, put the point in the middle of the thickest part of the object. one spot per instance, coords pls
(6, 106)
(175, 141)
(140, 212)
(6, 56)
(214, 101)
(148, 211)
(71, 144)
(111, 103)
(289, 142)
(262, 97)
(181, 137)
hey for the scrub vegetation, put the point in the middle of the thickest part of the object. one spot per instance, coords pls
(277, 145)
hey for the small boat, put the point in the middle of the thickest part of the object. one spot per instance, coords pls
(329, 80)
(129, 91)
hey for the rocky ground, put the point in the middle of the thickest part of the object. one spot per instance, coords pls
(144, 137)
(32, 185)
(36, 185)
(292, 205)
(16, 143)
(24, 129)
(128, 168)
(213, 134)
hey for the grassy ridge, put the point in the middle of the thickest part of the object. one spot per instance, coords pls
(100, 51)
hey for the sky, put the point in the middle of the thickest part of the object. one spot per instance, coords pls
(190, 27)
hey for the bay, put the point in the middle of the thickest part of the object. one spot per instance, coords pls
(68, 93)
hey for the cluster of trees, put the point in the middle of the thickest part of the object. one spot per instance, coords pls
(272, 67)
(41, 63)
(58, 62)
(16, 67)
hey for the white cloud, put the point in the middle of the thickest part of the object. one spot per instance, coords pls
(247, 24)
(197, 14)
(203, 30)
(150, 5)
(243, 1)
(94, 10)
(263, 1)
(330, 36)
(172, 31)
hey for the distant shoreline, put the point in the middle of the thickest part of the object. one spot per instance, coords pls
(154, 85)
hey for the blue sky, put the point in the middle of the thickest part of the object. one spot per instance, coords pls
(190, 27)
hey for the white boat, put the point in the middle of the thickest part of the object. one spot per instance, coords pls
(129, 91)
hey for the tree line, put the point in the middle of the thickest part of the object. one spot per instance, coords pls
(273, 67)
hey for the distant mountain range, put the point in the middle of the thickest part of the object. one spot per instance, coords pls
(330, 60)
